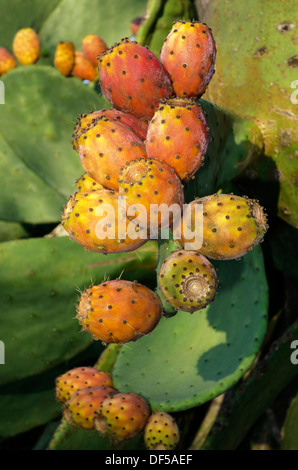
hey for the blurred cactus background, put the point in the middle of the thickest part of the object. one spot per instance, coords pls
(228, 374)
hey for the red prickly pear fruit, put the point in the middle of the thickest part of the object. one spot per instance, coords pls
(97, 221)
(105, 148)
(83, 68)
(7, 61)
(178, 134)
(119, 311)
(133, 79)
(64, 57)
(80, 377)
(85, 121)
(161, 432)
(151, 183)
(92, 47)
(79, 410)
(85, 184)
(122, 416)
(187, 280)
(232, 225)
(26, 46)
(188, 54)
(135, 24)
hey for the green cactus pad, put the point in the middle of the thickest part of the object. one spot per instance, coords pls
(38, 120)
(189, 359)
(39, 289)
(290, 427)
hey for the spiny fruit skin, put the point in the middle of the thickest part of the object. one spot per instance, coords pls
(26, 46)
(232, 225)
(92, 47)
(80, 377)
(178, 134)
(85, 184)
(122, 416)
(7, 61)
(93, 220)
(133, 79)
(85, 121)
(79, 410)
(161, 432)
(64, 57)
(151, 182)
(187, 280)
(106, 147)
(119, 311)
(188, 54)
(83, 68)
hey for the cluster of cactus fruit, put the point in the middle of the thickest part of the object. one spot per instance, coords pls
(137, 156)
(27, 50)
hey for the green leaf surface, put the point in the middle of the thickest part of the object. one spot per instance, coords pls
(11, 231)
(290, 427)
(189, 359)
(38, 118)
(39, 288)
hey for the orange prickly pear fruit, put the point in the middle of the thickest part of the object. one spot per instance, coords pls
(133, 79)
(7, 61)
(135, 24)
(122, 416)
(83, 68)
(26, 46)
(161, 432)
(178, 134)
(188, 54)
(64, 57)
(119, 311)
(80, 377)
(85, 184)
(92, 47)
(79, 410)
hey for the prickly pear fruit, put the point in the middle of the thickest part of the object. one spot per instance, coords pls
(151, 183)
(119, 311)
(7, 61)
(96, 221)
(85, 184)
(80, 377)
(187, 280)
(85, 121)
(161, 432)
(105, 147)
(133, 79)
(188, 54)
(64, 57)
(178, 134)
(26, 46)
(83, 68)
(122, 416)
(135, 24)
(92, 47)
(79, 409)
(232, 225)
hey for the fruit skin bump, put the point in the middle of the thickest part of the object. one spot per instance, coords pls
(7, 61)
(105, 147)
(188, 54)
(79, 410)
(97, 221)
(178, 134)
(133, 79)
(161, 432)
(64, 57)
(80, 377)
(122, 416)
(92, 47)
(86, 184)
(151, 182)
(83, 68)
(26, 46)
(232, 225)
(119, 311)
(187, 280)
